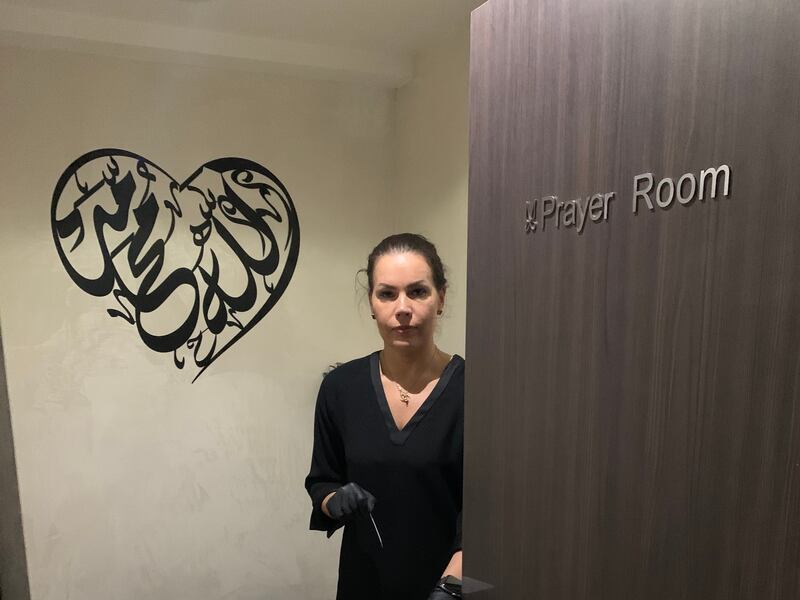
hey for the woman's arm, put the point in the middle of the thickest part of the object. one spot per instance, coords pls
(454, 566)
(327, 461)
(324, 505)
(446, 588)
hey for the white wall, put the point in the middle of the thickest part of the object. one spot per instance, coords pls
(432, 164)
(135, 483)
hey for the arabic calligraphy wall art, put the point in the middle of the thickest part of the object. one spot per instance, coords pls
(193, 266)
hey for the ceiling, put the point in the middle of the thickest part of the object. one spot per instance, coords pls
(342, 39)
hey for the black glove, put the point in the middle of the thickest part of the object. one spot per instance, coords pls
(448, 588)
(350, 501)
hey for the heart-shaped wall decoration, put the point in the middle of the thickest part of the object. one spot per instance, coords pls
(193, 266)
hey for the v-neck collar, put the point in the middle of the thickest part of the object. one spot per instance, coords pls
(399, 436)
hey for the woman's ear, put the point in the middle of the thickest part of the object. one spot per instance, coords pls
(442, 294)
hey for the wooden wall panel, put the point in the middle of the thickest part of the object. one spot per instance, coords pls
(633, 391)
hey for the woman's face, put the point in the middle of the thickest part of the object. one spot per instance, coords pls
(404, 300)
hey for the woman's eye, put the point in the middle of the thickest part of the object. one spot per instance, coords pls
(418, 292)
(384, 294)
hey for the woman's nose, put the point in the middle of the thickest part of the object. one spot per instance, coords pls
(402, 304)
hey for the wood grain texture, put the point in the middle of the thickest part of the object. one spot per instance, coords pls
(633, 392)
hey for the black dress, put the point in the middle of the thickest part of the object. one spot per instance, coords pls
(415, 475)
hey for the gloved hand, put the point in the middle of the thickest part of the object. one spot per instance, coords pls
(350, 501)
(447, 589)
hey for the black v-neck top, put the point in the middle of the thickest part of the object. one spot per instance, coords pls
(415, 474)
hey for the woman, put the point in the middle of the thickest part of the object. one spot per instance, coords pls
(388, 440)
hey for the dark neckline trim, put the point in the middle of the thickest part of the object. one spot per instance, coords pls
(399, 436)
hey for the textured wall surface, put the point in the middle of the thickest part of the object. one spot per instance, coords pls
(430, 193)
(134, 482)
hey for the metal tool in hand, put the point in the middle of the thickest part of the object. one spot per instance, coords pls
(378, 533)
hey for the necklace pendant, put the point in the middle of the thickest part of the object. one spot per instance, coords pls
(403, 394)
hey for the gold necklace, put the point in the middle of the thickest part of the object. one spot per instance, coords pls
(404, 395)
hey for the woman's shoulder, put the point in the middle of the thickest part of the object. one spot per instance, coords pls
(457, 361)
(456, 366)
(347, 371)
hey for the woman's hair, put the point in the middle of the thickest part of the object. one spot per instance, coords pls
(408, 242)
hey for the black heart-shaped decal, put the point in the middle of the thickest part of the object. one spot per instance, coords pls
(194, 265)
